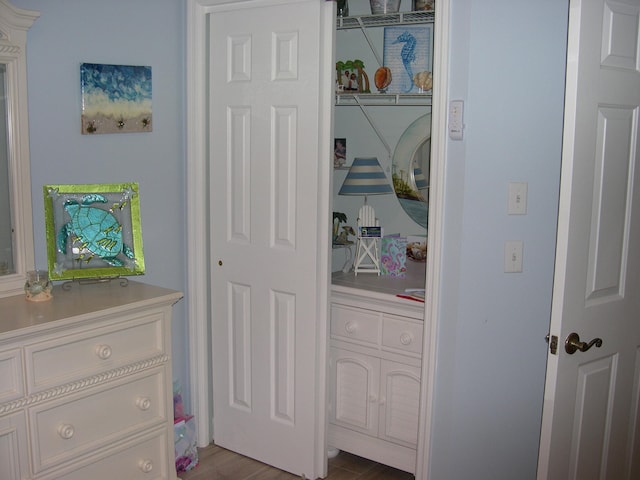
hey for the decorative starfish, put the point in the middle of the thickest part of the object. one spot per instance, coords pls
(58, 268)
(130, 264)
(128, 192)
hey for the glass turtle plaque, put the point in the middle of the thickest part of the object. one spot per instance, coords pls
(93, 231)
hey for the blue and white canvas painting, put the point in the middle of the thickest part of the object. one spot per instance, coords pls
(115, 98)
(407, 51)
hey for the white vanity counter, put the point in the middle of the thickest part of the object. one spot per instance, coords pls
(381, 287)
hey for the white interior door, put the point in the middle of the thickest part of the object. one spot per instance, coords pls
(265, 142)
(591, 417)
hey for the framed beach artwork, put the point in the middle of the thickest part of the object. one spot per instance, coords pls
(93, 231)
(408, 51)
(115, 98)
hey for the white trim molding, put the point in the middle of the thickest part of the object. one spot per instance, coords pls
(197, 213)
(436, 229)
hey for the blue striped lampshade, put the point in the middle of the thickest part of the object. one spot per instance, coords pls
(421, 181)
(365, 177)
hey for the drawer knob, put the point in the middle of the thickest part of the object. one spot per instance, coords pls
(145, 465)
(350, 327)
(66, 431)
(143, 403)
(103, 351)
(406, 338)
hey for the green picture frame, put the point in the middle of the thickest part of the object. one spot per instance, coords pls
(93, 231)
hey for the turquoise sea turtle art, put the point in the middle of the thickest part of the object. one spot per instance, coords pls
(95, 231)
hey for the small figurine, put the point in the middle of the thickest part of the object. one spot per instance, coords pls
(343, 237)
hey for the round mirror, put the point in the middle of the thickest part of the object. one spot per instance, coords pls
(411, 169)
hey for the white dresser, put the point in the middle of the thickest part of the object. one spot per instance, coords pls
(86, 385)
(375, 363)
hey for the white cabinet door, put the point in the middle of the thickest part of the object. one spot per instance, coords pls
(355, 382)
(399, 403)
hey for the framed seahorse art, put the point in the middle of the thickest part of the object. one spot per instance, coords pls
(408, 52)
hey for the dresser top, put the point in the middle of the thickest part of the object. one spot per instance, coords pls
(19, 316)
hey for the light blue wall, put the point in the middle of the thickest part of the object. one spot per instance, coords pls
(126, 32)
(507, 64)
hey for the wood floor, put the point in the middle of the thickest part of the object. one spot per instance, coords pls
(216, 463)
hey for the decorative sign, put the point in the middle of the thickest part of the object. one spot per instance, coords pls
(370, 232)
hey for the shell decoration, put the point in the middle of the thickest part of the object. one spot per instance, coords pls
(382, 79)
(423, 80)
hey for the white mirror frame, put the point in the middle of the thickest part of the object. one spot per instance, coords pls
(14, 23)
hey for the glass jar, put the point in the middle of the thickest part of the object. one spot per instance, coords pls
(384, 6)
(38, 286)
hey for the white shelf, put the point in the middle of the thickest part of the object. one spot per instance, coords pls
(400, 18)
(384, 99)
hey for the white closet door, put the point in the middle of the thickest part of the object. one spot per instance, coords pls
(265, 142)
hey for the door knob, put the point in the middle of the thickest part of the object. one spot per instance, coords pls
(573, 343)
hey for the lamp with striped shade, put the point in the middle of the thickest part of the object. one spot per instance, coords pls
(365, 177)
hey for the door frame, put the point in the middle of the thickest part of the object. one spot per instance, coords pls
(436, 222)
(198, 261)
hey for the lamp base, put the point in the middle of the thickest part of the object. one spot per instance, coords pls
(367, 258)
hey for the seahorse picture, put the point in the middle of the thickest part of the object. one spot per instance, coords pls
(408, 50)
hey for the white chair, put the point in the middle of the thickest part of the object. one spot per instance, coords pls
(368, 248)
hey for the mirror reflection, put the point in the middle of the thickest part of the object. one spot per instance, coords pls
(6, 237)
(411, 163)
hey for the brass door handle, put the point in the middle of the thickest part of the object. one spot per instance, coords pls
(573, 343)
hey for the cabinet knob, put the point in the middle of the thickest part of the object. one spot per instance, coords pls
(143, 403)
(373, 398)
(103, 352)
(350, 327)
(406, 338)
(66, 431)
(145, 465)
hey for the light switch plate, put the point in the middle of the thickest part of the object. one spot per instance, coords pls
(456, 119)
(517, 203)
(513, 256)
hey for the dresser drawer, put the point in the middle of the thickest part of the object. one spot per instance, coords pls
(11, 383)
(355, 324)
(69, 427)
(400, 334)
(144, 459)
(82, 355)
